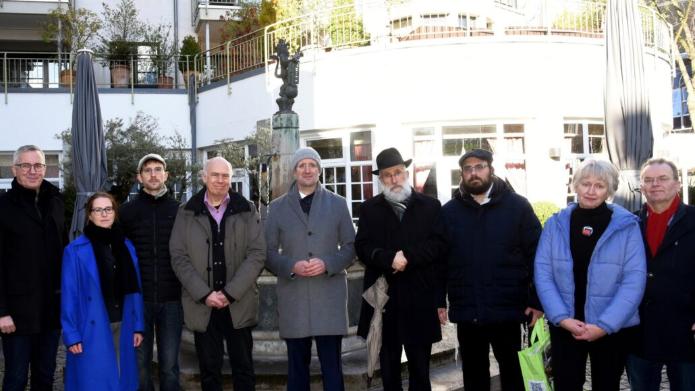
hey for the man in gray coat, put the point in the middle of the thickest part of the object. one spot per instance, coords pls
(217, 251)
(310, 244)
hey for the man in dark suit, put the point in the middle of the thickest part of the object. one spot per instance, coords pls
(399, 237)
(32, 237)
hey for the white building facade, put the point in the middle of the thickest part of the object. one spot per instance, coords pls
(524, 79)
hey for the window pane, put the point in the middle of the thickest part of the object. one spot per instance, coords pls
(330, 148)
(357, 192)
(355, 173)
(367, 173)
(368, 192)
(577, 144)
(329, 174)
(595, 129)
(573, 129)
(452, 147)
(341, 190)
(361, 143)
(513, 128)
(455, 177)
(514, 145)
(356, 209)
(340, 174)
(469, 129)
(595, 144)
(423, 132)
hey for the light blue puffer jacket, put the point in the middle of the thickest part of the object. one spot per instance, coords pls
(616, 276)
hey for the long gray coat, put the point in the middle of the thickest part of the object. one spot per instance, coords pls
(310, 306)
(244, 253)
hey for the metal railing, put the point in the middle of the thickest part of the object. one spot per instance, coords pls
(328, 29)
(48, 70)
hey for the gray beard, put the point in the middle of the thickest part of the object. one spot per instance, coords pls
(400, 196)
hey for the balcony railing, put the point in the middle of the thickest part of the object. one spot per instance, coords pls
(326, 30)
(49, 70)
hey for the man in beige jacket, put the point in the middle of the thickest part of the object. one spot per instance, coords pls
(217, 251)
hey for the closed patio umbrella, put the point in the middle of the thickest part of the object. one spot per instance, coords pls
(376, 296)
(88, 148)
(628, 122)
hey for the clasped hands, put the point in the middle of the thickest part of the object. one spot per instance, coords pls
(309, 268)
(399, 262)
(216, 299)
(582, 331)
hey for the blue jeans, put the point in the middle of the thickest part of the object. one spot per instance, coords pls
(35, 350)
(645, 375)
(166, 321)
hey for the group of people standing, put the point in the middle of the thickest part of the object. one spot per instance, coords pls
(615, 286)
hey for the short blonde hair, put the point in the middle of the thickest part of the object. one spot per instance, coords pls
(601, 169)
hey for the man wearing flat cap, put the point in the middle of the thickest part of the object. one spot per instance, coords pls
(310, 241)
(147, 221)
(492, 234)
(400, 238)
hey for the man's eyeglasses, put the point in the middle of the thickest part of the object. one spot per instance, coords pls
(656, 181)
(151, 171)
(476, 168)
(397, 175)
(108, 210)
(25, 167)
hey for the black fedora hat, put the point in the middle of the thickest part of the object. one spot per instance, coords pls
(389, 157)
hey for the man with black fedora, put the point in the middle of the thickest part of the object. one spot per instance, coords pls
(399, 237)
(492, 234)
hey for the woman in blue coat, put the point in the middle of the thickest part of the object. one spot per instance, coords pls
(101, 309)
(590, 273)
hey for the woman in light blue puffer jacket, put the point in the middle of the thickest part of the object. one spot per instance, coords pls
(590, 272)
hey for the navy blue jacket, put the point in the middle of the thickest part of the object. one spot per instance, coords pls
(489, 273)
(667, 311)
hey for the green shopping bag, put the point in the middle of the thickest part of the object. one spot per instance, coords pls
(535, 359)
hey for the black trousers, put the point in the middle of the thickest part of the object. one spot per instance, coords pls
(418, 365)
(329, 350)
(475, 341)
(569, 356)
(209, 347)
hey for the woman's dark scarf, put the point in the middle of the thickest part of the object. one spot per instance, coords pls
(106, 242)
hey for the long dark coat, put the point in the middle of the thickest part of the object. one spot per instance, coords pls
(667, 312)
(411, 312)
(32, 237)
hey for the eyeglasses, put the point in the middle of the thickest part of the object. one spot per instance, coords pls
(397, 174)
(25, 167)
(108, 210)
(152, 171)
(656, 181)
(476, 168)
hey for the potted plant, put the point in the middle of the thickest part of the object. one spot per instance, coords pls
(187, 55)
(74, 29)
(120, 34)
(162, 54)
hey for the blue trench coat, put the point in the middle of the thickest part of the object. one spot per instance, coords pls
(84, 319)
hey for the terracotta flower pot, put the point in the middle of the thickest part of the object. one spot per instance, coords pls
(120, 76)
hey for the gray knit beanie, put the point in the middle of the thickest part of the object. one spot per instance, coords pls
(305, 153)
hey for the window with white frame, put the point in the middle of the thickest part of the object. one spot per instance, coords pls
(583, 138)
(52, 173)
(347, 165)
(434, 19)
(402, 23)
(681, 114)
(458, 139)
(424, 169)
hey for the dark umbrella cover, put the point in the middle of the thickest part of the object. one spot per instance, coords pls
(628, 122)
(88, 149)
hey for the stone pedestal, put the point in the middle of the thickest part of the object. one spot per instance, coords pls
(285, 140)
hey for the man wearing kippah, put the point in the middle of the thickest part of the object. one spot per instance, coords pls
(310, 237)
